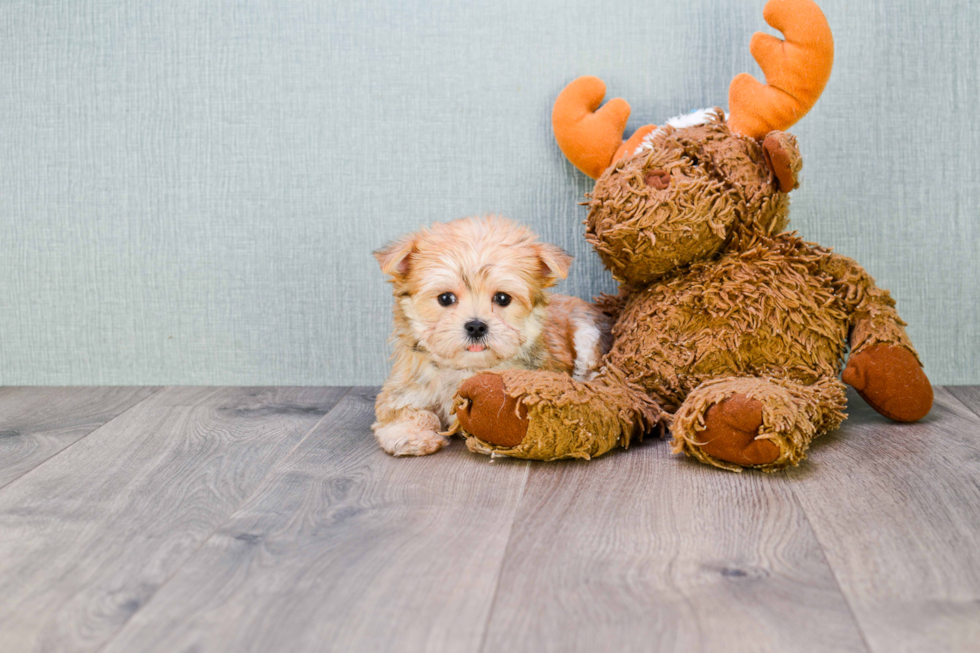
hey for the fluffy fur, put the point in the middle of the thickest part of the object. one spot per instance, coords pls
(474, 259)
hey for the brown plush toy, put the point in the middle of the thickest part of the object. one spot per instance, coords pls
(727, 329)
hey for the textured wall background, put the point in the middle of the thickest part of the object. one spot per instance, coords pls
(190, 190)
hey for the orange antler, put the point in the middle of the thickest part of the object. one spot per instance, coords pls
(589, 138)
(796, 70)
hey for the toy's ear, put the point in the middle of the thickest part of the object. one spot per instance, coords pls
(395, 258)
(783, 158)
(554, 261)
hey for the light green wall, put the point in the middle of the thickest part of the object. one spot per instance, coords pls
(190, 191)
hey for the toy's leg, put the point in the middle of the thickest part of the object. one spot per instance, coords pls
(546, 416)
(883, 366)
(754, 422)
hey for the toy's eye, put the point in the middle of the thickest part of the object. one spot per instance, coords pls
(659, 179)
(447, 299)
(501, 299)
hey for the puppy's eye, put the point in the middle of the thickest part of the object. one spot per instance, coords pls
(447, 299)
(501, 299)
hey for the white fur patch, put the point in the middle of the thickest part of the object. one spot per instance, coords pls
(416, 436)
(587, 353)
(698, 117)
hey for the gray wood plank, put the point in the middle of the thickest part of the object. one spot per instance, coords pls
(642, 550)
(88, 537)
(897, 510)
(969, 395)
(345, 548)
(37, 423)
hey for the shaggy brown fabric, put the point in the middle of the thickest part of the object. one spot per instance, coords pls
(792, 415)
(565, 418)
(740, 328)
(659, 179)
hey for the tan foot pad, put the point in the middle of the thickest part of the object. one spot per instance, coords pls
(731, 429)
(489, 413)
(890, 379)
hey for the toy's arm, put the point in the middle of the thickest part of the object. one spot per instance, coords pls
(547, 416)
(873, 318)
(883, 366)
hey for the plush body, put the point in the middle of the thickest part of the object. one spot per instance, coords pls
(727, 328)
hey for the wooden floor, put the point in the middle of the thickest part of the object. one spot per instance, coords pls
(266, 519)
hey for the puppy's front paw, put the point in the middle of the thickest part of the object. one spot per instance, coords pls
(409, 439)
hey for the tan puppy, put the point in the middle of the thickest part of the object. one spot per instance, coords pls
(470, 297)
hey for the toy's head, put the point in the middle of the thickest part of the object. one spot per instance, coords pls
(680, 193)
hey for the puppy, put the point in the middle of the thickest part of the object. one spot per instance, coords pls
(470, 297)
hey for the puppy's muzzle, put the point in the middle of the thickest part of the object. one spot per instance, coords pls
(476, 329)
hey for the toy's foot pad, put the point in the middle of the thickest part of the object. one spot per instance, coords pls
(732, 426)
(489, 413)
(890, 379)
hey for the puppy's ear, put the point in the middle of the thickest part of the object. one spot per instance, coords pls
(554, 261)
(395, 258)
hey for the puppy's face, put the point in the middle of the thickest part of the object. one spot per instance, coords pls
(470, 292)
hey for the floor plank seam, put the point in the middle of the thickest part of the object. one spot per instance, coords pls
(960, 401)
(503, 560)
(61, 451)
(833, 572)
(217, 528)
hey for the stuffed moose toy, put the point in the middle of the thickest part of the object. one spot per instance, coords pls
(727, 329)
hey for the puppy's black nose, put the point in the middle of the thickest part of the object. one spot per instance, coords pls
(476, 329)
